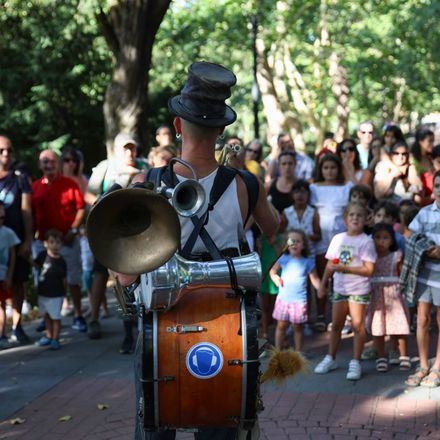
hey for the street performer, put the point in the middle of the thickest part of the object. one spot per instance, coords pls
(200, 118)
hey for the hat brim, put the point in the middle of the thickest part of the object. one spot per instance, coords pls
(176, 108)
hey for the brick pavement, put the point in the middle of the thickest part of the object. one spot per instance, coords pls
(287, 415)
(307, 407)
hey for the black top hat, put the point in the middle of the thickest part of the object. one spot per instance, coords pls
(202, 99)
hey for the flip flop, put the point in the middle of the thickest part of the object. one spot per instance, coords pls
(432, 380)
(415, 379)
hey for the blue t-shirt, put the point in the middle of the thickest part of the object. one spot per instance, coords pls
(294, 272)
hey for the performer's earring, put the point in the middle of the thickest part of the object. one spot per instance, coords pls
(178, 136)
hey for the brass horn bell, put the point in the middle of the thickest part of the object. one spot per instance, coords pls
(133, 230)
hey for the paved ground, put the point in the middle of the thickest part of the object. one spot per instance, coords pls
(39, 387)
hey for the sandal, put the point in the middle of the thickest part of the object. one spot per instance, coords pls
(415, 379)
(432, 380)
(382, 365)
(404, 363)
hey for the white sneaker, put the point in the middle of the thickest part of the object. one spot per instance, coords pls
(354, 370)
(326, 365)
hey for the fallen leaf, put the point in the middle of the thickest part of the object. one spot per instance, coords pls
(102, 406)
(65, 418)
(17, 421)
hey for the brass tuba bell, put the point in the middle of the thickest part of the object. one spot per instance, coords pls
(133, 230)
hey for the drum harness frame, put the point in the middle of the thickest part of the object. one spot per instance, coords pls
(224, 177)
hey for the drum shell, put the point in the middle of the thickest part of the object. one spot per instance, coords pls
(190, 402)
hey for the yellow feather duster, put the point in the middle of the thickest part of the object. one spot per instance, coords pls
(284, 363)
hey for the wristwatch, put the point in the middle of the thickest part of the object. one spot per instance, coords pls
(74, 231)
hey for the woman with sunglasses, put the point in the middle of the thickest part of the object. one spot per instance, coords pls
(351, 164)
(72, 164)
(397, 179)
(253, 157)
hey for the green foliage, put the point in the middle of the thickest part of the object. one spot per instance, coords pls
(218, 32)
(54, 68)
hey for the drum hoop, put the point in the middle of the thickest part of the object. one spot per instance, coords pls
(147, 369)
(245, 358)
(252, 367)
(155, 370)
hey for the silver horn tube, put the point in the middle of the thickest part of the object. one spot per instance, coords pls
(162, 288)
(188, 198)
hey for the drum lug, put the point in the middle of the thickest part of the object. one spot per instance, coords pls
(160, 379)
(239, 362)
(180, 328)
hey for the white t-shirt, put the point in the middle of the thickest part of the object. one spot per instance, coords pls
(330, 201)
(351, 250)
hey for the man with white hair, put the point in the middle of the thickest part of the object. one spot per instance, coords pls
(57, 203)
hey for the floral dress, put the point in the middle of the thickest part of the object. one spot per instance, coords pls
(388, 312)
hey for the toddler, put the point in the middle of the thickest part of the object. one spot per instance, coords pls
(51, 287)
(291, 303)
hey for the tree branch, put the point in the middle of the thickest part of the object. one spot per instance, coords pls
(108, 32)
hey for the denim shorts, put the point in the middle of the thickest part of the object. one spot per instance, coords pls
(358, 299)
(428, 294)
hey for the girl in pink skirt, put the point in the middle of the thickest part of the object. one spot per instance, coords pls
(388, 313)
(291, 304)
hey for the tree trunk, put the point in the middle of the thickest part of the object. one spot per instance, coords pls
(340, 89)
(275, 118)
(129, 29)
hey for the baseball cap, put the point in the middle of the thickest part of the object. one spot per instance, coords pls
(123, 139)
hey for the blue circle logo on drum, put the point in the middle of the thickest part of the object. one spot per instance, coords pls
(204, 360)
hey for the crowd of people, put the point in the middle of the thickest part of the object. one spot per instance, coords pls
(358, 241)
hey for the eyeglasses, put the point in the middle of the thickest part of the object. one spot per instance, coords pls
(47, 161)
(8, 150)
(345, 149)
(398, 153)
(69, 159)
(252, 151)
(366, 132)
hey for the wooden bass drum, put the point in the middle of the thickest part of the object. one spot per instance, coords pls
(200, 365)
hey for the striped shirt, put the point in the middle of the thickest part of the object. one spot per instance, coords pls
(427, 222)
